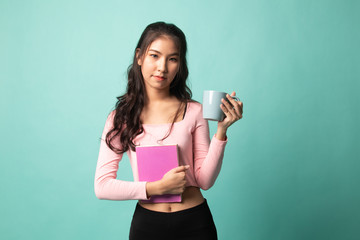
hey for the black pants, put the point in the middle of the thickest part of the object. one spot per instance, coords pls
(193, 223)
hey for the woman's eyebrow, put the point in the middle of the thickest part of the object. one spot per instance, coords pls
(172, 54)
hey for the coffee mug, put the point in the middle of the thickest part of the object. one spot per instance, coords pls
(211, 105)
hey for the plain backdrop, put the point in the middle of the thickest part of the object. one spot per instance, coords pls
(291, 166)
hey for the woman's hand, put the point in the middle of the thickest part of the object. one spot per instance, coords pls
(233, 112)
(173, 182)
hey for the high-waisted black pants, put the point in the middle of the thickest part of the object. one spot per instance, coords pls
(193, 223)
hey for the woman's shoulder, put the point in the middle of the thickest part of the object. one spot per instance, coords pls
(194, 103)
(110, 121)
(111, 115)
(194, 109)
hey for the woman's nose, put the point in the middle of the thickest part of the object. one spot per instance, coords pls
(162, 65)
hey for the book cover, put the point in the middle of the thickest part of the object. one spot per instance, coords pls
(153, 162)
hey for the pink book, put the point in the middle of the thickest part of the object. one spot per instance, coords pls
(153, 162)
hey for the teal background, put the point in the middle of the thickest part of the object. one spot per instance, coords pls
(291, 167)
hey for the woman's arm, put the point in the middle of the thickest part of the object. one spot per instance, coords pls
(208, 156)
(106, 185)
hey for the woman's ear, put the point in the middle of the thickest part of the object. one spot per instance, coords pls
(139, 61)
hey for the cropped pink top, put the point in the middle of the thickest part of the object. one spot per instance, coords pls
(195, 149)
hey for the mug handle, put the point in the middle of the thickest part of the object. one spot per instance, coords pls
(236, 98)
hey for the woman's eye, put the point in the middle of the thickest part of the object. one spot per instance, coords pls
(153, 55)
(173, 59)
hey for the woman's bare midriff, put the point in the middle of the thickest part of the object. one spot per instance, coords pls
(191, 197)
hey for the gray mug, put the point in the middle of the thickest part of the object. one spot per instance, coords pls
(211, 105)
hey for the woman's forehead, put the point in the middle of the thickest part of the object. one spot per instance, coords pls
(164, 44)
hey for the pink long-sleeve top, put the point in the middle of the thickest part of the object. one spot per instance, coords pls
(195, 149)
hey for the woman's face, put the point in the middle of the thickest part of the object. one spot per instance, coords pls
(160, 64)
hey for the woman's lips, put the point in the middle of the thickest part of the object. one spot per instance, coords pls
(160, 78)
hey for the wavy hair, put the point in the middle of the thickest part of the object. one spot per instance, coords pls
(126, 123)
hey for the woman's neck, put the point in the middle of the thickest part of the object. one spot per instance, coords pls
(160, 107)
(156, 96)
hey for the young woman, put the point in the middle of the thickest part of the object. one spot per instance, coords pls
(157, 109)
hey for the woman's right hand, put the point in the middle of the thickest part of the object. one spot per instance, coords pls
(173, 182)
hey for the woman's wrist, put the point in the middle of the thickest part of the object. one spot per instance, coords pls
(154, 188)
(221, 134)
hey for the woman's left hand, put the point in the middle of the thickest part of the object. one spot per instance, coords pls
(233, 111)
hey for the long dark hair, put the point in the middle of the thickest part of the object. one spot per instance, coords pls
(127, 124)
